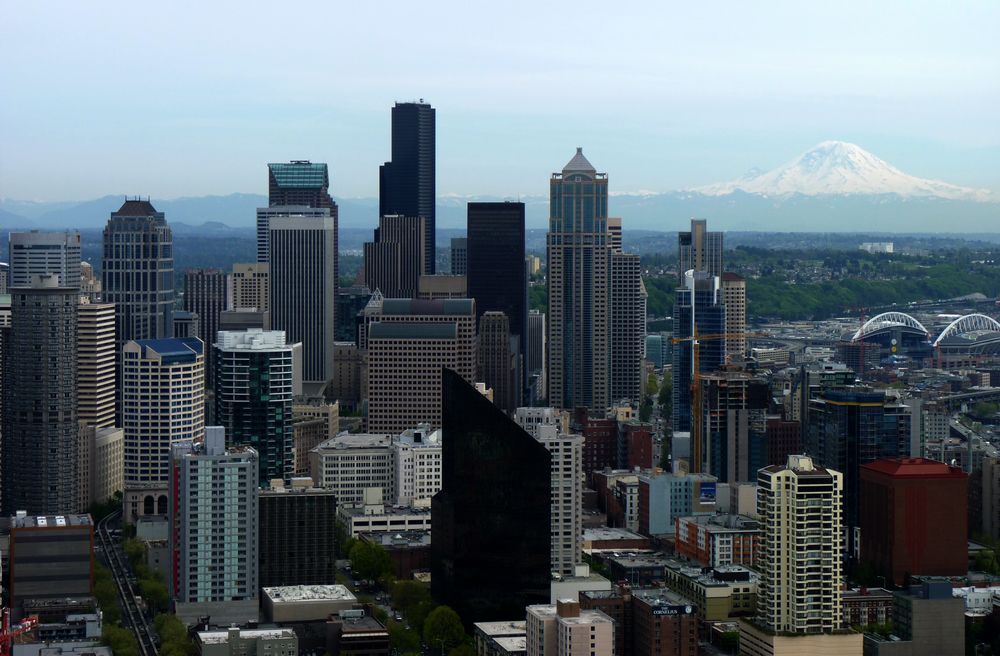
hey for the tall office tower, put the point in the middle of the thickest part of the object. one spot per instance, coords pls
(497, 275)
(254, 385)
(96, 363)
(298, 525)
(492, 513)
(734, 297)
(396, 259)
(303, 264)
(186, 324)
(300, 182)
(459, 256)
(407, 348)
(407, 183)
(249, 286)
(850, 427)
(214, 530)
(37, 253)
(205, 293)
(266, 214)
(801, 548)
(627, 328)
(163, 404)
(699, 250)
(565, 630)
(734, 425)
(567, 497)
(913, 518)
(4, 277)
(138, 272)
(698, 308)
(40, 432)
(496, 368)
(577, 247)
(101, 444)
(535, 349)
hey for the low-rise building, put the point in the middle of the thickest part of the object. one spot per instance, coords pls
(663, 623)
(570, 586)
(246, 642)
(864, 606)
(718, 593)
(928, 620)
(564, 630)
(373, 516)
(297, 534)
(717, 540)
(613, 539)
(417, 465)
(663, 497)
(409, 551)
(306, 603)
(500, 638)
(50, 557)
(352, 632)
(349, 464)
(636, 569)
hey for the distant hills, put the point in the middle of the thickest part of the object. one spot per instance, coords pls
(833, 187)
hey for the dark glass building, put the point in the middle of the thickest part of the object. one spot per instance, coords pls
(490, 536)
(253, 397)
(297, 529)
(853, 426)
(407, 182)
(205, 294)
(495, 269)
(698, 307)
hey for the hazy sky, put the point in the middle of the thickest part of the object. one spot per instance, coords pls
(175, 99)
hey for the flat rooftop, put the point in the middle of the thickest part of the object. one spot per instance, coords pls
(222, 637)
(606, 533)
(304, 593)
(496, 629)
(50, 521)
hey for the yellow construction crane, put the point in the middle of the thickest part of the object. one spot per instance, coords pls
(695, 340)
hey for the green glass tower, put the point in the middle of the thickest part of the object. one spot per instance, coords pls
(254, 387)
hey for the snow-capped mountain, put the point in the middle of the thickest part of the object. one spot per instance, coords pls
(838, 167)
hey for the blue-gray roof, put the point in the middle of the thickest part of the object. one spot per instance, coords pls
(412, 330)
(175, 349)
(421, 306)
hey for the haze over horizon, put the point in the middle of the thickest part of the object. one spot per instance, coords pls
(172, 103)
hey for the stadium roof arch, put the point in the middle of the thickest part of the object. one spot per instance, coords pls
(888, 320)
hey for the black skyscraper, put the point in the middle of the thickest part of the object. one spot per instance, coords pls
(490, 536)
(406, 183)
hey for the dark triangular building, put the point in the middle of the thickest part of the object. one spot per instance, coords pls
(490, 536)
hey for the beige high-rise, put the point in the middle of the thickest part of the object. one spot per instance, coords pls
(250, 287)
(800, 507)
(565, 630)
(734, 297)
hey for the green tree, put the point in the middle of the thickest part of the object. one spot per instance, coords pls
(407, 594)
(646, 410)
(370, 561)
(418, 615)
(135, 550)
(443, 629)
(403, 640)
(651, 385)
(154, 593)
(462, 650)
(665, 397)
(121, 641)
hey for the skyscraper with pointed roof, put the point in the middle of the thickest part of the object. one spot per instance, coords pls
(578, 277)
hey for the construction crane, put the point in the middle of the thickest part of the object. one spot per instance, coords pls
(8, 633)
(695, 340)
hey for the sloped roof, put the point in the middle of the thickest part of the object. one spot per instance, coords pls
(921, 467)
(579, 163)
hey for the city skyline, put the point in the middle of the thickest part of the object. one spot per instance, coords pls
(688, 97)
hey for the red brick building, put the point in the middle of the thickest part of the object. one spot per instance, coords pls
(784, 438)
(913, 516)
(638, 440)
(718, 540)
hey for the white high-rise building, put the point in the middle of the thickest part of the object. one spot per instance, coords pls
(417, 464)
(567, 497)
(215, 530)
(38, 253)
(163, 403)
(801, 576)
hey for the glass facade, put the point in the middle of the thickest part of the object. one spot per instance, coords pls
(490, 545)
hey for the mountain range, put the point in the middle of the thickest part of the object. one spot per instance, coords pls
(835, 186)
